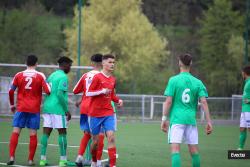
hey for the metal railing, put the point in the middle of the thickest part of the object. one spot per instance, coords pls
(146, 108)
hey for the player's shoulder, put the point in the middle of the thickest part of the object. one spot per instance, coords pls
(92, 73)
(20, 73)
(59, 74)
(40, 74)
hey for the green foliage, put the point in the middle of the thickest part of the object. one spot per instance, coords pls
(30, 29)
(217, 65)
(126, 32)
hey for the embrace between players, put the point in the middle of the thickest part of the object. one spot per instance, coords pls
(97, 114)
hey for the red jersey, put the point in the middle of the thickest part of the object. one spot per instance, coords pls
(30, 84)
(82, 86)
(100, 104)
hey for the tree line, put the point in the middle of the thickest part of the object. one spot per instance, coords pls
(146, 35)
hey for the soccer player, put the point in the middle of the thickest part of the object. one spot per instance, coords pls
(30, 84)
(102, 91)
(81, 87)
(183, 93)
(55, 110)
(245, 114)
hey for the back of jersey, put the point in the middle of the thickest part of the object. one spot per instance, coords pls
(29, 95)
(58, 82)
(82, 87)
(186, 91)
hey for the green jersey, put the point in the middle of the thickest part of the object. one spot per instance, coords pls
(57, 101)
(185, 91)
(246, 96)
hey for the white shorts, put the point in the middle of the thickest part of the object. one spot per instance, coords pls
(245, 120)
(54, 121)
(179, 132)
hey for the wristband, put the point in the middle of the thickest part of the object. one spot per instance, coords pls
(12, 106)
(164, 118)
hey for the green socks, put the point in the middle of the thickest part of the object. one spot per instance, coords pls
(62, 140)
(44, 143)
(196, 160)
(176, 160)
(243, 136)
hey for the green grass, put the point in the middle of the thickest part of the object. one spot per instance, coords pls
(138, 145)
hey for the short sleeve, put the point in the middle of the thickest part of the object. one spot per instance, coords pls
(246, 93)
(202, 90)
(170, 89)
(15, 80)
(63, 84)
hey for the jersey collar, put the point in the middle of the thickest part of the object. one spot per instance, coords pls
(186, 73)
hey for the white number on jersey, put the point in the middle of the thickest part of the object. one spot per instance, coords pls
(88, 81)
(29, 81)
(186, 96)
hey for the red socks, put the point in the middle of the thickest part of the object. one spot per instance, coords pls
(100, 147)
(93, 153)
(13, 143)
(112, 156)
(84, 143)
(32, 147)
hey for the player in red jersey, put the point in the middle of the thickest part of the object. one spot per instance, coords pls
(81, 87)
(29, 84)
(101, 113)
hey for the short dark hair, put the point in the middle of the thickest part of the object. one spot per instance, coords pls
(97, 58)
(107, 56)
(64, 60)
(246, 70)
(186, 59)
(31, 60)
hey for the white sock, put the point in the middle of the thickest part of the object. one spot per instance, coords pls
(43, 157)
(99, 162)
(63, 158)
(12, 158)
(79, 158)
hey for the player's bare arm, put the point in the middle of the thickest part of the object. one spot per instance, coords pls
(165, 122)
(209, 127)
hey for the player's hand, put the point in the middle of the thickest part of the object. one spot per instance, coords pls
(68, 116)
(78, 103)
(209, 128)
(106, 91)
(120, 103)
(164, 126)
(13, 109)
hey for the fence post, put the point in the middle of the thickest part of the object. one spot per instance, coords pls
(143, 108)
(232, 109)
(151, 107)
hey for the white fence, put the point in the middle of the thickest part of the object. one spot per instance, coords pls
(146, 108)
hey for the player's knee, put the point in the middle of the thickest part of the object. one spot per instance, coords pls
(16, 130)
(242, 129)
(111, 139)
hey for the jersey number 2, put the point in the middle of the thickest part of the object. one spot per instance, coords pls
(186, 96)
(29, 81)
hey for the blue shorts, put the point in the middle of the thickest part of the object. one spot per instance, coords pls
(25, 119)
(84, 124)
(97, 123)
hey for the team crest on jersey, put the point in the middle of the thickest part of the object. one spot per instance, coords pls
(64, 84)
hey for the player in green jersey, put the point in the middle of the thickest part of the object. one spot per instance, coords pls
(55, 110)
(245, 114)
(183, 93)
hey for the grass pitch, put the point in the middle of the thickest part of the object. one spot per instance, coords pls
(138, 145)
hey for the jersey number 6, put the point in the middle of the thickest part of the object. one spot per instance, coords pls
(186, 96)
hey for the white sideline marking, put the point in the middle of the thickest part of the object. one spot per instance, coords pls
(53, 145)
(20, 165)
